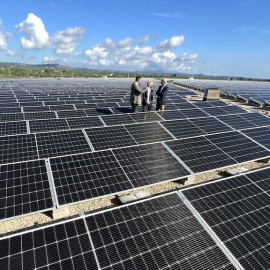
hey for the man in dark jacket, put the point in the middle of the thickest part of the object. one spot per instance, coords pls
(161, 95)
(147, 98)
(136, 94)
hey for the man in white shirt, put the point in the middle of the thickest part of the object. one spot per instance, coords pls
(147, 98)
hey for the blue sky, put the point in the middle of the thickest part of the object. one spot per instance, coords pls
(212, 37)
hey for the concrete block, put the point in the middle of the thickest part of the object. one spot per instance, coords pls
(141, 194)
(190, 180)
(237, 171)
(61, 212)
(127, 198)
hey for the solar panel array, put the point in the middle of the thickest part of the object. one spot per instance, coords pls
(70, 142)
(258, 92)
(83, 126)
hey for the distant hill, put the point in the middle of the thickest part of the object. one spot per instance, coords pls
(58, 67)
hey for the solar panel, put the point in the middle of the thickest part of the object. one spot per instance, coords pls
(10, 128)
(182, 128)
(61, 107)
(233, 109)
(10, 110)
(71, 113)
(238, 211)
(84, 122)
(238, 146)
(183, 105)
(257, 119)
(260, 135)
(48, 125)
(236, 121)
(61, 143)
(60, 246)
(203, 104)
(36, 109)
(24, 189)
(146, 117)
(109, 137)
(148, 133)
(170, 115)
(7, 117)
(39, 115)
(210, 125)
(215, 111)
(112, 120)
(18, 148)
(85, 106)
(160, 233)
(86, 176)
(149, 164)
(122, 110)
(93, 112)
(194, 113)
(200, 155)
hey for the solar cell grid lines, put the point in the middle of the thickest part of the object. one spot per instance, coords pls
(257, 119)
(39, 115)
(112, 120)
(149, 164)
(17, 148)
(84, 122)
(237, 209)
(159, 233)
(236, 122)
(97, 111)
(170, 115)
(146, 117)
(7, 117)
(215, 111)
(260, 135)
(233, 109)
(200, 155)
(48, 125)
(182, 128)
(210, 125)
(61, 143)
(24, 189)
(71, 113)
(86, 176)
(238, 146)
(10, 128)
(109, 137)
(60, 246)
(194, 113)
(148, 133)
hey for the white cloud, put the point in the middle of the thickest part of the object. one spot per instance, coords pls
(169, 44)
(34, 29)
(64, 42)
(128, 55)
(4, 37)
(10, 53)
(167, 15)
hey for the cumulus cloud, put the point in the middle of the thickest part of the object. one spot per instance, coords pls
(172, 43)
(130, 54)
(34, 29)
(4, 37)
(65, 42)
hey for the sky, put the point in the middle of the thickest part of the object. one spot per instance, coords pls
(212, 37)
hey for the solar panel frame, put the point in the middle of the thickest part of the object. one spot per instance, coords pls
(77, 178)
(200, 155)
(151, 132)
(25, 189)
(239, 147)
(112, 120)
(18, 148)
(61, 143)
(48, 125)
(13, 128)
(109, 137)
(236, 210)
(150, 164)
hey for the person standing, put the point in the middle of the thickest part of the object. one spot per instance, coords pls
(147, 98)
(161, 95)
(136, 94)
